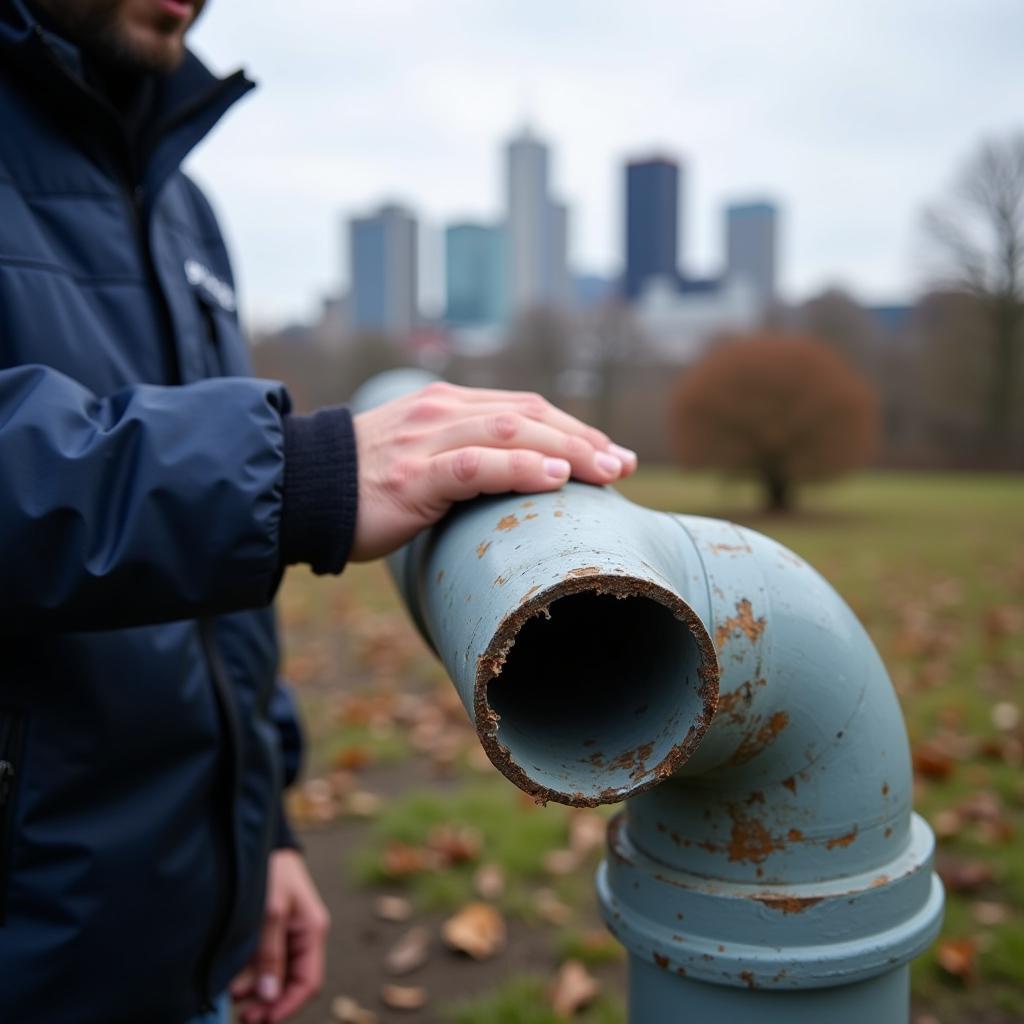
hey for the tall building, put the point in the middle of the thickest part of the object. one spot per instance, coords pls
(537, 228)
(475, 274)
(750, 246)
(382, 258)
(652, 223)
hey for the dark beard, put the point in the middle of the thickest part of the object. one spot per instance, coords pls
(95, 31)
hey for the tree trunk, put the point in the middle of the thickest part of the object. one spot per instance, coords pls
(778, 492)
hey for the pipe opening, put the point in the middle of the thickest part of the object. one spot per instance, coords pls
(604, 698)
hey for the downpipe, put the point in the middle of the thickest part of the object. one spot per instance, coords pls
(768, 866)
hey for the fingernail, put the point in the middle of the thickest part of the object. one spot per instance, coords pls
(607, 463)
(557, 468)
(268, 988)
(623, 454)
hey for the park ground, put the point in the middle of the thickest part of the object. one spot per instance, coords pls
(397, 800)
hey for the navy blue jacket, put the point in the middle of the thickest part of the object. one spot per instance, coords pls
(151, 493)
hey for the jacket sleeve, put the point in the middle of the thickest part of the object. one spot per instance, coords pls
(155, 503)
(286, 720)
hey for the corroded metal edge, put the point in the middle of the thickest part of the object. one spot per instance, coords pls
(491, 662)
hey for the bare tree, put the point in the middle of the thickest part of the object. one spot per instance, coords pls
(783, 409)
(980, 230)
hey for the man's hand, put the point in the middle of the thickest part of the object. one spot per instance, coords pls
(421, 453)
(287, 968)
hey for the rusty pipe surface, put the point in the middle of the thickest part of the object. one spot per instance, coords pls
(607, 651)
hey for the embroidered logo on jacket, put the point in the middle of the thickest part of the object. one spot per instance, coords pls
(206, 281)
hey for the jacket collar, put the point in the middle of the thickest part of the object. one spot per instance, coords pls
(188, 103)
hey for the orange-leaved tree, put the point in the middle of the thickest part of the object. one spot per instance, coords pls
(782, 408)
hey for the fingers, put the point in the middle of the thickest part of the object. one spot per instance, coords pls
(525, 403)
(305, 969)
(267, 970)
(507, 429)
(466, 472)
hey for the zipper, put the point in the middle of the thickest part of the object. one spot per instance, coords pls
(12, 735)
(232, 772)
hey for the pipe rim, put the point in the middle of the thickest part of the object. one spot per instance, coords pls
(492, 661)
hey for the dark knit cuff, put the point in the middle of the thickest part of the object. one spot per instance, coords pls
(321, 490)
(284, 837)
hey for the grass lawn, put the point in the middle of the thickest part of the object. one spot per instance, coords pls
(934, 567)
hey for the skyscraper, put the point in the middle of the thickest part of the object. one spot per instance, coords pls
(537, 228)
(475, 274)
(652, 222)
(382, 250)
(750, 246)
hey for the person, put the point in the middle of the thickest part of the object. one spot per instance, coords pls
(153, 495)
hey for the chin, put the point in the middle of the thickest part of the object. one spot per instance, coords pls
(150, 51)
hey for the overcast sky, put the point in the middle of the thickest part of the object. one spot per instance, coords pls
(851, 114)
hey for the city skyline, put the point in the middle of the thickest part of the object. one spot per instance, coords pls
(856, 116)
(495, 270)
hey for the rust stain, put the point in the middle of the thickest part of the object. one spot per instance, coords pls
(737, 703)
(717, 549)
(842, 840)
(528, 504)
(881, 880)
(482, 547)
(559, 513)
(634, 760)
(532, 515)
(661, 961)
(440, 575)
(790, 784)
(533, 590)
(888, 832)
(787, 904)
(586, 570)
(885, 789)
(794, 835)
(748, 979)
(743, 621)
(749, 839)
(757, 797)
(758, 739)
(506, 523)
(681, 971)
(499, 581)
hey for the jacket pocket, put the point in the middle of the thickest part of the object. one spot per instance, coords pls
(12, 749)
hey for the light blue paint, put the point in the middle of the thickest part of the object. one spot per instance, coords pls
(768, 866)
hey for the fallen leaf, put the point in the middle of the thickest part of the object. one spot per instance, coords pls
(410, 952)
(352, 758)
(958, 957)
(1005, 716)
(946, 823)
(400, 860)
(362, 804)
(404, 997)
(489, 881)
(348, 1011)
(574, 988)
(586, 832)
(933, 761)
(477, 929)
(550, 908)
(392, 908)
(990, 914)
(963, 875)
(561, 862)
(456, 844)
